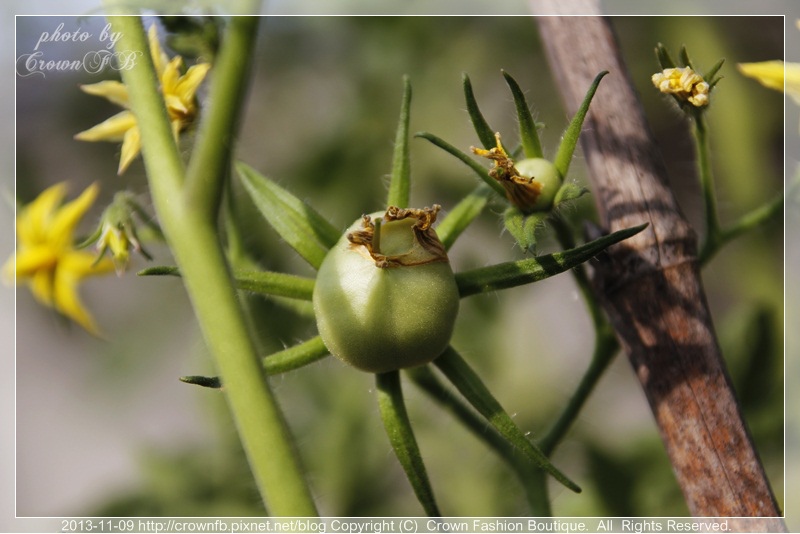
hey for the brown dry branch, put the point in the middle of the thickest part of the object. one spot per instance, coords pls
(651, 286)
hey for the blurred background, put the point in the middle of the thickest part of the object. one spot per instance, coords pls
(104, 427)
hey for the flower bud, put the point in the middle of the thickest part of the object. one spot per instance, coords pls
(385, 297)
(683, 83)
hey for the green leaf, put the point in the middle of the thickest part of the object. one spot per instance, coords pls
(664, 59)
(523, 227)
(531, 145)
(295, 357)
(400, 184)
(276, 284)
(161, 270)
(457, 220)
(277, 363)
(296, 222)
(709, 75)
(426, 380)
(482, 173)
(212, 382)
(401, 436)
(482, 128)
(569, 191)
(478, 395)
(570, 140)
(265, 282)
(516, 273)
(685, 58)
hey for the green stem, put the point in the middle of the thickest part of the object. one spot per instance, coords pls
(605, 348)
(401, 436)
(713, 234)
(193, 239)
(210, 161)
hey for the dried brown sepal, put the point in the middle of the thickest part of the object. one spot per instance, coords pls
(521, 191)
(425, 246)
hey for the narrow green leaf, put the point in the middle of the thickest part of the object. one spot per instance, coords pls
(295, 357)
(570, 140)
(523, 227)
(296, 222)
(276, 284)
(531, 145)
(212, 382)
(569, 191)
(462, 215)
(478, 395)
(664, 59)
(277, 363)
(426, 380)
(401, 436)
(161, 270)
(530, 476)
(400, 184)
(482, 173)
(482, 128)
(516, 273)
(265, 282)
(685, 61)
(709, 75)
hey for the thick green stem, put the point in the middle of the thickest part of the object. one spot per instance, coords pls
(193, 239)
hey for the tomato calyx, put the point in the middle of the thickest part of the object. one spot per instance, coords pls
(403, 237)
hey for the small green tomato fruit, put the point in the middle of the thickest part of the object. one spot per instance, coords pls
(531, 184)
(385, 297)
(543, 172)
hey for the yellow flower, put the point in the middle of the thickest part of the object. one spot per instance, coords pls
(776, 75)
(684, 83)
(179, 97)
(46, 258)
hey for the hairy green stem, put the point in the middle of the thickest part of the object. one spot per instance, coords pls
(192, 236)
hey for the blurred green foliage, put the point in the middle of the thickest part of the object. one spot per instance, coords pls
(320, 120)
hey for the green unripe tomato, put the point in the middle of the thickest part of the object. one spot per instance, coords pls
(388, 303)
(545, 173)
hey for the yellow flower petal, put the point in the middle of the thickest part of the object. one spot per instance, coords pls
(67, 302)
(768, 73)
(131, 145)
(111, 90)
(26, 263)
(33, 219)
(189, 82)
(176, 107)
(160, 59)
(42, 286)
(64, 223)
(171, 75)
(111, 129)
(775, 74)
